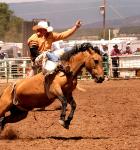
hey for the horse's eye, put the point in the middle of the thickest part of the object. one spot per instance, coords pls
(96, 61)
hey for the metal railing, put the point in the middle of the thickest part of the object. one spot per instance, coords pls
(19, 68)
(14, 68)
(127, 66)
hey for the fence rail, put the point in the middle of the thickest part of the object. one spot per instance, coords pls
(125, 66)
(14, 68)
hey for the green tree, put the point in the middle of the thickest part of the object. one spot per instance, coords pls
(14, 34)
(5, 14)
(10, 25)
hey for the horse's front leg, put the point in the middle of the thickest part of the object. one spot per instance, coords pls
(63, 112)
(73, 107)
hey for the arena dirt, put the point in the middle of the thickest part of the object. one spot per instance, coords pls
(107, 118)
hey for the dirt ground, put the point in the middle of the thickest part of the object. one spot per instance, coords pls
(107, 118)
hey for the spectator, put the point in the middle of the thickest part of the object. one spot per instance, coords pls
(104, 51)
(19, 53)
(115, 60)
(115, 51)
(128, 43)
(3, 55)
(137, 52)
(128, 50)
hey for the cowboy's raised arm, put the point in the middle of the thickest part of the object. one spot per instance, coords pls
(67, 33)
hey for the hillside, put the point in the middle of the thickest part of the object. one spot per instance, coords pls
(127, 22)
(63, 14)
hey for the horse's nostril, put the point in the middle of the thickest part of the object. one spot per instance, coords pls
(102, 78)
(99, 79)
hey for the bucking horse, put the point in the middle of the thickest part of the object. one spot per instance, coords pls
(40, 91)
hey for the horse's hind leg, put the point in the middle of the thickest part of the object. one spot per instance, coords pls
(16, 115)
(70, 117)
(5, 104)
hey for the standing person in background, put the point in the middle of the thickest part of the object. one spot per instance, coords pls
(104, 51)
(128, 48)
(127, 51)
(115, 51)
(115, 60)
(44, 36)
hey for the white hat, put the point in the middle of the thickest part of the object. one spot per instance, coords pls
(128, 42)
(43, 25)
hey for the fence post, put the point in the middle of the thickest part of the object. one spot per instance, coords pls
(10, 69)
(6, 70)
(24, 68)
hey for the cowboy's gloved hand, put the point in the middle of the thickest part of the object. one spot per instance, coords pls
(78, 24)
(37, 62)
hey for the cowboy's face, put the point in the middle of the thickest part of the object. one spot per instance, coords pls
(41, 31)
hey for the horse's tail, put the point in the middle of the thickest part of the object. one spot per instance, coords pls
(13, 93)
(11, 90)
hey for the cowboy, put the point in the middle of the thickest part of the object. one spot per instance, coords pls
(44, 37)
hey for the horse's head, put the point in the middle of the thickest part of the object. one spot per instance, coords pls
(84, 55)
(93, 62)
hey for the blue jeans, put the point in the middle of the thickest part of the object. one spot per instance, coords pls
(52, 57)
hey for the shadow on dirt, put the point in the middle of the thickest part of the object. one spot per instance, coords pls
(13, 136)
(76, 138)
(43, 109)
(9, 134)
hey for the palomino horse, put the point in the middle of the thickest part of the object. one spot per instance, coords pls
(39, 91)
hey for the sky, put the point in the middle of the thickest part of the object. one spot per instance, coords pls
(53, 1)
(18, 1)
(66, 12)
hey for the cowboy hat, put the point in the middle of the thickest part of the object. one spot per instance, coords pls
(128, 42)
(43, 25)
(115, 46)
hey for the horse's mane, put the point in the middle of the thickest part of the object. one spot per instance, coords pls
(75, 50)
(67, 55)
(97, 50)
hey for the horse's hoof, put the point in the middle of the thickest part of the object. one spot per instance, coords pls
(62, 122)
(66, 126)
